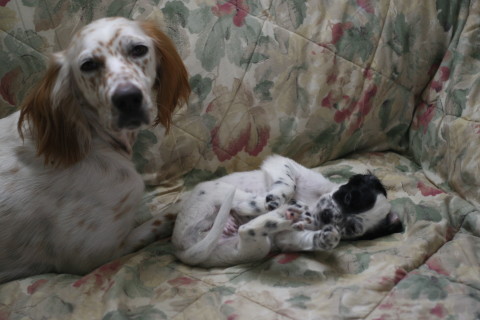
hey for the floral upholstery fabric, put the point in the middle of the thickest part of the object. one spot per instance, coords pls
(344, 86)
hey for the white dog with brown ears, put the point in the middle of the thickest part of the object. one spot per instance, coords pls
(284, 206)
(68, 188)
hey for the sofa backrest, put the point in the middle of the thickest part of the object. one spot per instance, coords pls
(311, 80)
(445, 133)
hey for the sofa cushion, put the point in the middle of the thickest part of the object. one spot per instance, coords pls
(348, 282)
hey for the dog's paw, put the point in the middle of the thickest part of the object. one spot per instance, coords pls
(275, 225)
(253, 206)
(297, 211)
(299, 226)
(273, 202)
(326, 239)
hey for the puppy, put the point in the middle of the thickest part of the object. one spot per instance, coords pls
(284, 206)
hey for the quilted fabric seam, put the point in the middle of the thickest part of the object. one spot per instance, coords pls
(329, 49)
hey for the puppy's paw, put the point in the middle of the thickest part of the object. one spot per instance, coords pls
(296, 211)
(299, 226)
(273, 202)
(277, 225)
(326, 239)
(252, 206)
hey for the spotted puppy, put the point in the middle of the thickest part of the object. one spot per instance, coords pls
(284, 206)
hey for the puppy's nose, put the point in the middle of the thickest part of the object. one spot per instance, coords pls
(127, 98)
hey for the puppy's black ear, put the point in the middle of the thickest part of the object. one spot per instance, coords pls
(375, 183)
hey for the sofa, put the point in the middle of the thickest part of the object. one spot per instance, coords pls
(343, 87)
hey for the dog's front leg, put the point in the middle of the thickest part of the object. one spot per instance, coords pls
(281, 180)
(249, 204)
(324, 239)
(267, 224)
(146, 233)
(158, 227)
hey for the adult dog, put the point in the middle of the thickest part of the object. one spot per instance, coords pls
(68, 189)
(243, 216)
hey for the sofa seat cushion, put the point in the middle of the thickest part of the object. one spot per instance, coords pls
(353, 280)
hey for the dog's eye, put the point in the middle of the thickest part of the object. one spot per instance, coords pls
(139, 51)
(90, 65)
(348, 198)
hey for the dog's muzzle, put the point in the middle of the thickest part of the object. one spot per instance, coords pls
(128, 99)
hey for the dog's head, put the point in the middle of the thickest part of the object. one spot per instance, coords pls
(359, 209)
(116, 75)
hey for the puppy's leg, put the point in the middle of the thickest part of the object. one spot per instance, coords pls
(324, 239)
(303, 234)
(255, 237)
(249, 204)
(270, 223)
(202, 249)
(199, 210)
(281, 178)
(266, 224)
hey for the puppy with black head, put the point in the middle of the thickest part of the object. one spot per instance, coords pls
(284, 206)
(358, 197)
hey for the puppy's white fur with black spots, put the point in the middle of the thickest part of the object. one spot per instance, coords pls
(284, 206)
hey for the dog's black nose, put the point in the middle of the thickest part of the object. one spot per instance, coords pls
(127, 98)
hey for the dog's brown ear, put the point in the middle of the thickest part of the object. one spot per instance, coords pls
(172, 77)
(51, 113)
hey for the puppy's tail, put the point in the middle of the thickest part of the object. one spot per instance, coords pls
(204, 248)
